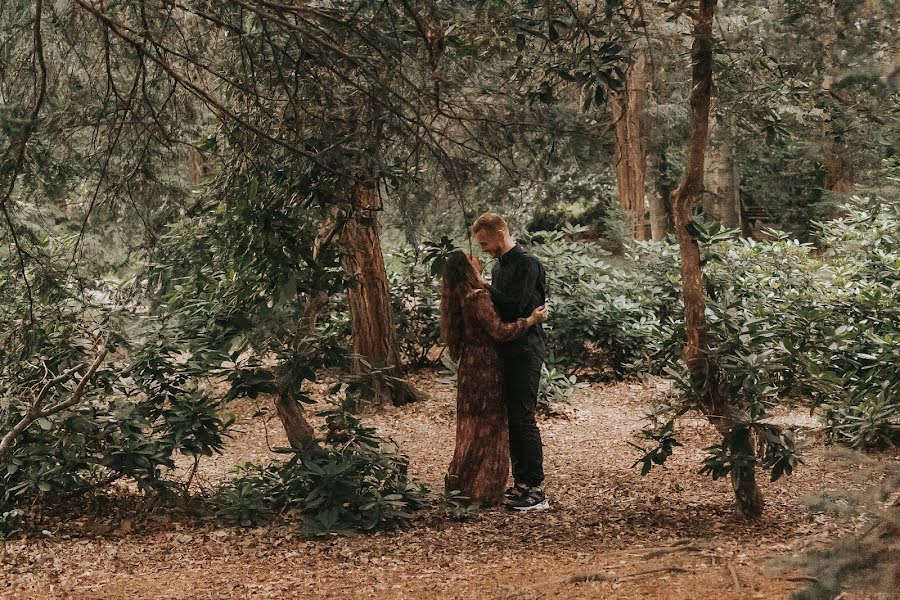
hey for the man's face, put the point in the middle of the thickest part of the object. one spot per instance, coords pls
(490, 242)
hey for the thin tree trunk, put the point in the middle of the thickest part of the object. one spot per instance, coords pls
(631, 148)
(838, 170)
(371, 318)
(661, 223)
(721, 193)
(696, 352)
(196, 166)
(299, 432)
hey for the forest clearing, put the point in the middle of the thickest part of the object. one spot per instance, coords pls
(609, 534)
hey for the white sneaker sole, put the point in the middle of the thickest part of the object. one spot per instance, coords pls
(540, 506)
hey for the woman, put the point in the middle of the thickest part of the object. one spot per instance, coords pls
(471, 329)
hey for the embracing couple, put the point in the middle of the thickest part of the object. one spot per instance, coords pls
(494, 332)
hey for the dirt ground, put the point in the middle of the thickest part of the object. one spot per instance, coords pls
(610, 533)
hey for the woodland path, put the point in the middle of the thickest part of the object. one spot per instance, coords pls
(610, 533)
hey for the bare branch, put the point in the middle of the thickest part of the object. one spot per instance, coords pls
(18, 147)
(34, 412)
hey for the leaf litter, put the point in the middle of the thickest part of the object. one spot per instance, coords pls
(610, 533)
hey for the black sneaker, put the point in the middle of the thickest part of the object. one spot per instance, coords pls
(532, 498)
(514, 492)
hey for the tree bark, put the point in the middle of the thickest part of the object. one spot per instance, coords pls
(631, 148)
(838, 172)
(838, 176)
(299, 432)
(371, 317)
(721, 181)
(661, 224)
(743, 473)
(704, 375)
(196, 166)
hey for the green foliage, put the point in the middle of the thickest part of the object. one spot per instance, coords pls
(783, 321)
(664, 438)
(143, 404)
(435, 255)
(571, 196)
(779, 453)
(245, 499)
(556, 388)
(416, 301)
(352, 483)
(154, 411)
(602, 316)
(853, 372)
(457, 507)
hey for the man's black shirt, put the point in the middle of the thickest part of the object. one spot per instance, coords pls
(518, 286)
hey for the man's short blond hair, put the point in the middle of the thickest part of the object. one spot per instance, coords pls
(491, 222)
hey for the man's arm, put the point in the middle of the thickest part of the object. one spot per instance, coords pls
(513, 302)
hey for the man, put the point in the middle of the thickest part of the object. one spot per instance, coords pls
(518, 287)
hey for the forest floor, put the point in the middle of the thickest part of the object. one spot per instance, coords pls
(610, 533)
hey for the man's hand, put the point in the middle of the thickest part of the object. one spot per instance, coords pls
(539, 315)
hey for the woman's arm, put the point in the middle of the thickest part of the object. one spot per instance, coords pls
(486, 315)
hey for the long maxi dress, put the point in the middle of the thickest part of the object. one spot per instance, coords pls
(480, 465)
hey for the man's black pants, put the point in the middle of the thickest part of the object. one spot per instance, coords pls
(521, 378)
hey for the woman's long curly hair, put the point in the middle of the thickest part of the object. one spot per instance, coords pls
(459, 280)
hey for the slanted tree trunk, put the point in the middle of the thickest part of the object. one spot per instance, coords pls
(631, 148)
(721, 181)
(299, 432)
(289, 409)
(696, 351)
(371, 318)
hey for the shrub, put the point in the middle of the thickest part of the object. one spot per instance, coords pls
(416, 301)
(352, 483)
(572, 196)
(141, 405)
(783, 321)
(556, 388)
(129, 425)
(602, 316)
(853, 374)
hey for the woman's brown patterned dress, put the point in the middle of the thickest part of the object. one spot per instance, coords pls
(480, 464)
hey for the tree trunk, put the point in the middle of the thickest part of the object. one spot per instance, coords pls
(838, 173)
(371, 318)
(196, 166)
(660, 201)
(838, 170)
(299, 432)
(743, 473)
(631, 148)
(696, 352)
(721, 181)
